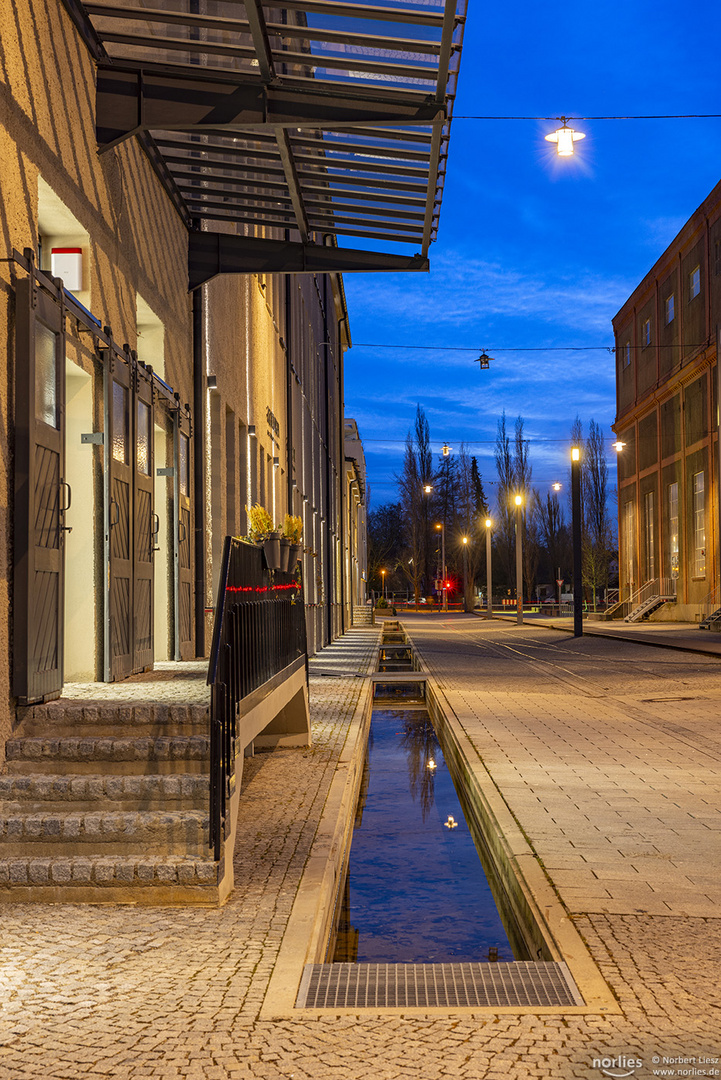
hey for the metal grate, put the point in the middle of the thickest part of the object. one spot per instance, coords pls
(375, 986)
(399, 691)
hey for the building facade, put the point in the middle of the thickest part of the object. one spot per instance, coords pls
(355, 526)
(140, 420)
(667, 418)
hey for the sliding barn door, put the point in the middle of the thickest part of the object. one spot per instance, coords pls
(41, 495)
(129, 517)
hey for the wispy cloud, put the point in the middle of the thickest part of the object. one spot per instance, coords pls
(476, 298)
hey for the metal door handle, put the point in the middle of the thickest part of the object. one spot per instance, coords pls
(181, 539)
(154, 534)
(64, 509)
(113, 503)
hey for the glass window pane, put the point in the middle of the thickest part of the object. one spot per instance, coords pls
(143, 439)
(673, 527)
(184, 465)
(120, 423)
(46, 376)
(699, 526)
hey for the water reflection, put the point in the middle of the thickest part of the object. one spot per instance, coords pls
(416, 890)
(420, 742)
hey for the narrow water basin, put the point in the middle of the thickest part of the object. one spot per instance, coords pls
(416, 890)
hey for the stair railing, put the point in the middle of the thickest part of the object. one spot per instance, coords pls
(710, 604)
(258, 630)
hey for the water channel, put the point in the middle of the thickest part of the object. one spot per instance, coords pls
(417, 891)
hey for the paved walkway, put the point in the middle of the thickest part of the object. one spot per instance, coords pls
(608, 755)
(687, 636)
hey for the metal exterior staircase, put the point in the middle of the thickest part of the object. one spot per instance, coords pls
(651, 596)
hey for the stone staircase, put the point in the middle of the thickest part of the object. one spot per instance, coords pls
(107, 802)
(362, 615)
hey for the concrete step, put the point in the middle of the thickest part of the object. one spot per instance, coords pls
(69, 717)
(105, 872)
(139, 832)
(107, 754)
(41, 792)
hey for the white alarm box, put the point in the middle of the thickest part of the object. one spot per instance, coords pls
(67, 263)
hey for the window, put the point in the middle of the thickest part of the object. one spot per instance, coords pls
(142, 439)
(629, 584)
(669, 309)
(46, 376)
(649, 537)
(699, 527)
(184, 470)
(626, 354)
(647, 332)
(673, 529)
(120, 423)
(694, 282)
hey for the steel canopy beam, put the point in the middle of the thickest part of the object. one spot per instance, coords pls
(210, 254)
(130, 101)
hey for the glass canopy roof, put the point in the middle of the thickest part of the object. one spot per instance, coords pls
(317, 119)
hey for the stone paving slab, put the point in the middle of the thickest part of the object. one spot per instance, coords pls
(90, 992)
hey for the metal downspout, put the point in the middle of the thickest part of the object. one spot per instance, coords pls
(342, 507)
(288, 390)
(330, 587)
(199, 470)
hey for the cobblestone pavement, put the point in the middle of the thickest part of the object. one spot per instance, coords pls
(175, 993)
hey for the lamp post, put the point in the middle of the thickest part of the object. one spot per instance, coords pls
(444, 591)
(465, 574)
(427, 492)
(556, 488)
(576, 534)
(383, 586)
(519, 560)
(489, 584)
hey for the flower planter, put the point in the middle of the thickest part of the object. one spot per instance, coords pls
(284, 554)
(296, 550)
(271, 547)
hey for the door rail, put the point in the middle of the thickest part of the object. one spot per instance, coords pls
(258, 630)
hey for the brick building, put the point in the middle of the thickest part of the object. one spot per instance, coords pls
(666, 388)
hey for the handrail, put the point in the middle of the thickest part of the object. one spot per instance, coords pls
(665, 587)
(258, 630)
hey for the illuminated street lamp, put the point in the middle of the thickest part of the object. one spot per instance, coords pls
(618, 446)
(427, 489)
(383, 585)
(519, 560)
(564, 138)
(465, 573)
(559, 581)
(444, 583)
(489, 585)
(576, 534)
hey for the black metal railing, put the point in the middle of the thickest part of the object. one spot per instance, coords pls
(258, 630)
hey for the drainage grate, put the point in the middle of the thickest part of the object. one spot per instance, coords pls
(381, 986)
(399, 691)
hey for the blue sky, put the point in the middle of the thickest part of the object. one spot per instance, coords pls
(535, 252)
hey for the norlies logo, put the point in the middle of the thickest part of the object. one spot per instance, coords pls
(617, 1066)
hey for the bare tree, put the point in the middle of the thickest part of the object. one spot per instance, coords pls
(470, 494)
(415, 506)
(598, 547)
(596, 528)
(553, 532)
(424, 460)
(505, 525)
